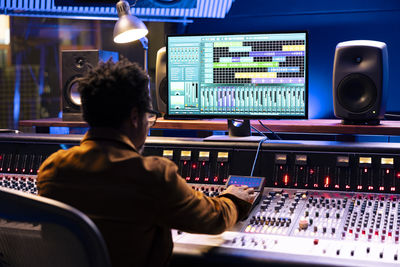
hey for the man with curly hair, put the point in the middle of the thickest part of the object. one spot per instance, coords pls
(134, 200)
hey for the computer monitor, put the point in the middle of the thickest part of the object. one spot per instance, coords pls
(238, 76)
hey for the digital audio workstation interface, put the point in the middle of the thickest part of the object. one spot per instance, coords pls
(238, 75)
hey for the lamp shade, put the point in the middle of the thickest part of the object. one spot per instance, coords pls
(128, 27)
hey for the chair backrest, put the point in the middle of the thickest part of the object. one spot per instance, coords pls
(38, 231)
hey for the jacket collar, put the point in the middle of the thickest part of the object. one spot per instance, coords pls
(106, 133)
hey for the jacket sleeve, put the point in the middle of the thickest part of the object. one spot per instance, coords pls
(189, 210)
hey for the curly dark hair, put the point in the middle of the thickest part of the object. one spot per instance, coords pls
(110, 91)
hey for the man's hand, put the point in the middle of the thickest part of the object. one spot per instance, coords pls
(243, 192)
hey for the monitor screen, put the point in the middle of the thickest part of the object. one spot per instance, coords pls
(248, 76)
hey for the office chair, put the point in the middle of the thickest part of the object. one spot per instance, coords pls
(37, 231)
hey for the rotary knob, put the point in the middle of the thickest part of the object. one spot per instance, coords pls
(303, 223)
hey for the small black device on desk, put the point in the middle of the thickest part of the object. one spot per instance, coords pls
(255, 182)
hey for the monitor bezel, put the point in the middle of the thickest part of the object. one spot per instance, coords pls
(230, 116)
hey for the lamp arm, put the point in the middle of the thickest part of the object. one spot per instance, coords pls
(145, 44)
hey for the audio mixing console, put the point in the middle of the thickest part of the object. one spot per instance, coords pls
(332, 228)
(325, 203)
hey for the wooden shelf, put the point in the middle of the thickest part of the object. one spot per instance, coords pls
(289, 126)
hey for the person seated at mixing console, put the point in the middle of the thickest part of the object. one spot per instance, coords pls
(134, 200)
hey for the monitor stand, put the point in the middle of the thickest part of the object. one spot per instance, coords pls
(239, 131)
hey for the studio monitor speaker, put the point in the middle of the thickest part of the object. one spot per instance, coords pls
(74, 64)
(360, 81)
(161, 80)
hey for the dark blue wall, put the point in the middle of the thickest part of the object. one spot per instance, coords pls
(328, 23)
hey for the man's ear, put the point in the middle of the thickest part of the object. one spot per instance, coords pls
(134, 118)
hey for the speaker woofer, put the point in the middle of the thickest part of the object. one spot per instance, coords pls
(357, 93)
(74, 95)
(71, 93)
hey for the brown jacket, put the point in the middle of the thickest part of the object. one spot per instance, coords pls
(134, 200)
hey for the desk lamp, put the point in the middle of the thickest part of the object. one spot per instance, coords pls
(130, 28)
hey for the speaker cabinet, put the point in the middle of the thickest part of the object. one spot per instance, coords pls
(161, 80)
(360, 81)
(75, 63)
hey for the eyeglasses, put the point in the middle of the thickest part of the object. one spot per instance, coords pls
(152, 117)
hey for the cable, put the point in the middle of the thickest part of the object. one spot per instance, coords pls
(392, 116)
(258, 150)
(272, 132)
(134, 4)
(255, 129)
